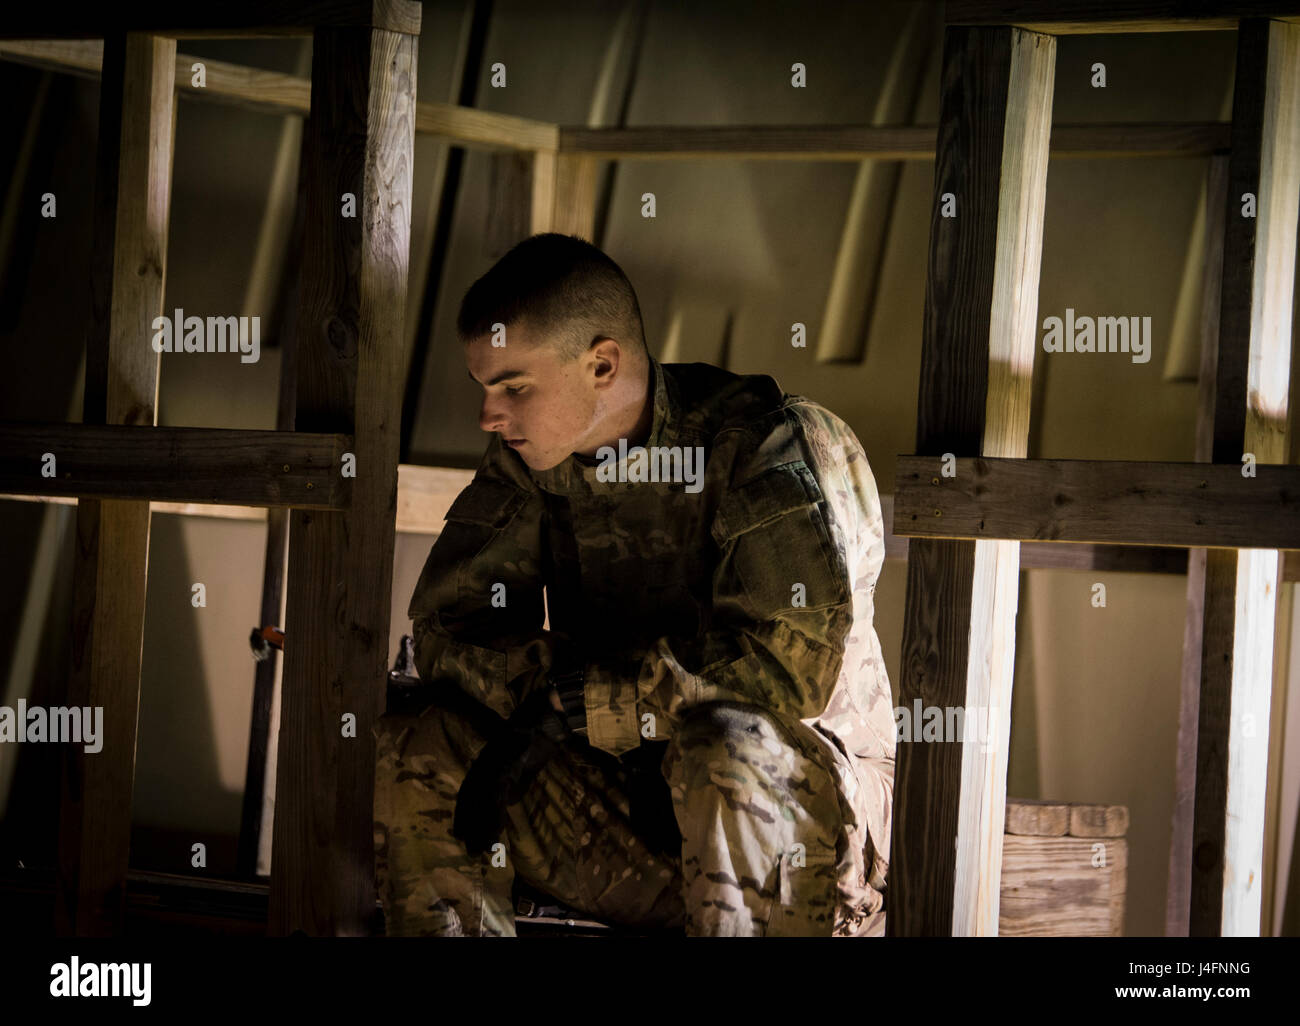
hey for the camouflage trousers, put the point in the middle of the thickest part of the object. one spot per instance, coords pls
(771, 843)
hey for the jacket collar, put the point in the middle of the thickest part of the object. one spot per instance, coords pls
(577, 474)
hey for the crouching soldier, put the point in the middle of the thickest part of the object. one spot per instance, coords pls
(656, 595)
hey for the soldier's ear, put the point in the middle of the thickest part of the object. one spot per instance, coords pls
(607, 360)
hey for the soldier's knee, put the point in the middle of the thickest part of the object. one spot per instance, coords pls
(432, 736)
(726, 730)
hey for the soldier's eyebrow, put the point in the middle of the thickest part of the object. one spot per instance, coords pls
(503, 376)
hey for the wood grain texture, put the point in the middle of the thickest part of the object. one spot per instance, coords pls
(1069, 17)
(976, 362)
(1092, 820)
(180, 465)
(564, 193)
(128, 261)
(1178, 889)
(422, 505)
(360, 139)
(1250, 415)
(424, 494)
(280, 93)
(218, 20)
(277, 92)
(1099, 501)
(1055, 887)
(1037, 818)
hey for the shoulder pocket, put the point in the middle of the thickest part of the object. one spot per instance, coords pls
(772, 494)
(455, 581)
(488, 503)
(782, 549)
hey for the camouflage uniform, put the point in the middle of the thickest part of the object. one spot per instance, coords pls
(733, 621)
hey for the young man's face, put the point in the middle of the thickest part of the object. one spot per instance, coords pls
(542, 406)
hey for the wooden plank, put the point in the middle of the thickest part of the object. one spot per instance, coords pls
(194, 21)
(880, 142)
(564, 193)
(128, 262)
(1117, 502)
(257, 806)
(422, 505)
(1054, 887)
(976, 364)
(360, 139)
(279, 93)
(471, 127)
(1070, 17)
(216, 465)
(1250, 415)
(1091, 820)
(276, 92)
(1033, 817)
(429, 262)
(1178, 889)
(424, 494)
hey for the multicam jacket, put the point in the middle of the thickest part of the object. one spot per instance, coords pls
(757, 587)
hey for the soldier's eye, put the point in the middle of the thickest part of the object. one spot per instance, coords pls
(515, 390)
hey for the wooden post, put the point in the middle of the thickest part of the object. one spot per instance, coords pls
(1189, 699)
(128, 264)
(360, 140)
(976, 367)
(564, 193)
(1250, 416)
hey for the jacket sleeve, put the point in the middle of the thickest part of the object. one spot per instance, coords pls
(783, 608)
(477, 611)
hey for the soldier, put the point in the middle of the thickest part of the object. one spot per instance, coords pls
(703, 738)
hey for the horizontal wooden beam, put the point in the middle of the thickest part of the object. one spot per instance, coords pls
(279, 93)
(275, 92)
(879, 142)
(1101, 501)
(1091, 17)
(229, 18)
(188, 465)
(424, 494)
(484, 129)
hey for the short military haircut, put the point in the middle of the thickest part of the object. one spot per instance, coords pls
(561, 287)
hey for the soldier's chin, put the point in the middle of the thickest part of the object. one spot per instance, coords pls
(538, 460)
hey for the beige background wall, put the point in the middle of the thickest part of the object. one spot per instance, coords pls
(1096, 689)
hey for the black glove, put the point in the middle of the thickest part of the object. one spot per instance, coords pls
(505, 766)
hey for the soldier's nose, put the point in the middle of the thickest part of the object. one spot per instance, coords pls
(490, 419)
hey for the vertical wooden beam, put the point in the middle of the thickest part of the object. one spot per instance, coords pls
(977, 360)
(1178, 891)
(254, 808)
(564, 193)
(444, 190)
(1250, 415)
(360, 139)
(128, 263)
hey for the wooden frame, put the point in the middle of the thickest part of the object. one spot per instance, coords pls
(116, 461)
(1210, 506)
(991, 148)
